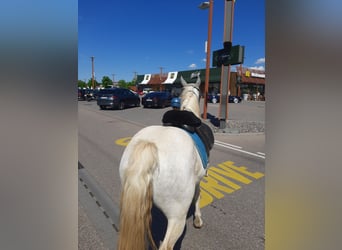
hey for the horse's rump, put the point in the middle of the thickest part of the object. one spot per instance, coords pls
(175, 149)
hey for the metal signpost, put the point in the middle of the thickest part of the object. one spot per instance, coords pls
(225, 74)
(229, 55)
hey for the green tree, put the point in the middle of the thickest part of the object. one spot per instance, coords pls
(106, 81)
(81, 84)
(131, 83)
(89, 84)
(122, 84)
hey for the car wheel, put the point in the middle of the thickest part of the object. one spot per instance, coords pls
(121, 105)
(236, 100)
(102, 107)
(214, 100)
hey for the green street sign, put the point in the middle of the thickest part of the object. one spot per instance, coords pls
(232, 57)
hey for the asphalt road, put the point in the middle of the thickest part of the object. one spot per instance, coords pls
(232, 195)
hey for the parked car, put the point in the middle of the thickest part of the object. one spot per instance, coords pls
(90, 94)
(215, 98)
(156, 99)
(87, 94)
(81, 94)
(234, 99)
(118, 98)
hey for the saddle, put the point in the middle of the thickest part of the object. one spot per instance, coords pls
(192, 124)
(182, 119)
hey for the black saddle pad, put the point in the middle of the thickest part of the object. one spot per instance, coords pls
(180, 118)
(190, 122)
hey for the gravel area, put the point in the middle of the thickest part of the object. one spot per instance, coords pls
(246, 126)
(237, 127)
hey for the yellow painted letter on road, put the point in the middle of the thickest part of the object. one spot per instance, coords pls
(226, 170)
(243, 170)
(217, 174)
(211, 185)
(205, 199)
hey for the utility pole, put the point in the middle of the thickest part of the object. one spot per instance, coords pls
(135, 80)
(113, 78)
(92, 72)
(161, 72)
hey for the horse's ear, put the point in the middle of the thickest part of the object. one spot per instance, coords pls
(184, 83)
(198, 82)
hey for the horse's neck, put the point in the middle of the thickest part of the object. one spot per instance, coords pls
(196, 112)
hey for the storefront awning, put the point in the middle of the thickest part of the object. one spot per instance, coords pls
(171, 77)
(255, 80)
(146, 80)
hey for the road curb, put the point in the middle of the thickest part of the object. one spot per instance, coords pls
(110, 209)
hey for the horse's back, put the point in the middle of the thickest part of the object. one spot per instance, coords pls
(175, 147)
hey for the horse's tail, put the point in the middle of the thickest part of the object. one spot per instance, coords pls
(136, 198)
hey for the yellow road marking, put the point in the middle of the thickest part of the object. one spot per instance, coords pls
(217, 184)
(123, 141)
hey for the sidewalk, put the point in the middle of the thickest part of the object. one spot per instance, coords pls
(244, 117)
(238, 127)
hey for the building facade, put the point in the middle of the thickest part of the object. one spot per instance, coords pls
(244, 82)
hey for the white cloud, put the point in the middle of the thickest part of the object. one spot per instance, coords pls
(192, 66)
(262, 68)
(260, 60)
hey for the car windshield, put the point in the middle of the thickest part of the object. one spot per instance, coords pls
(107, 91)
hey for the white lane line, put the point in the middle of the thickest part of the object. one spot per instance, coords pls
(226, 144)
(236, 148)
(260, 153)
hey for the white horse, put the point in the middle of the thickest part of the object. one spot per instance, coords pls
(160, 166)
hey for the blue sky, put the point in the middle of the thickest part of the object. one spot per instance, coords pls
(143, 36)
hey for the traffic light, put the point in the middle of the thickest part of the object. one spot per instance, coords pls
(229, 55)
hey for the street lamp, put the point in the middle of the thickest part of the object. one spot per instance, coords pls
(204, 6)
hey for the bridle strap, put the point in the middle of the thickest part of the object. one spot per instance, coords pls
(196, 91)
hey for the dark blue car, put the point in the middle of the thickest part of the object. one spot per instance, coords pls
(156, 100)
(215, 98)
(118, 98)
